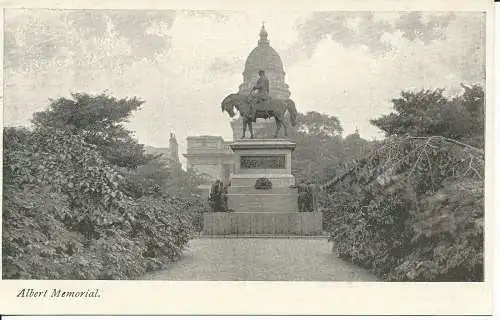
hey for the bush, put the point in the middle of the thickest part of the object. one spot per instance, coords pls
(263, 184)
(38, 245)
(65, 216)
(196, 208)
(163, 226)
(412, 211)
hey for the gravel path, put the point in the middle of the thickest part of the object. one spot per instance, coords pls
(254, 259)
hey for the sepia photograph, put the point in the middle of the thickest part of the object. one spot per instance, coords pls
(193, 145)
(243, 146)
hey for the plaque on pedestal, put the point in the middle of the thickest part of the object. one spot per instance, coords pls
(263, 158)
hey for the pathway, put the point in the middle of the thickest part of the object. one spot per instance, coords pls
(250, 259)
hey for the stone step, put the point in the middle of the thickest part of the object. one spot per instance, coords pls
(251, 190)
(263, 223)
(263, 236)
(265, 202)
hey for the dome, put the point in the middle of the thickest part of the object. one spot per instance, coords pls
(263, 57)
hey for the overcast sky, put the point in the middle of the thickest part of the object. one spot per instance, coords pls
(183, 63)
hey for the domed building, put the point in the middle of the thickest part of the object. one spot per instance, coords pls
(212, 155)
(262, 57)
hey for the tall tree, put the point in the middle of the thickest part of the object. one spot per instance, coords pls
(429, 112)
(321, 152)
(100, 120)
(318, 124)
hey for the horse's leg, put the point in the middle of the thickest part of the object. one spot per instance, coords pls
(244, 128)
(285, 126)
(250, 128)
(278, 126)
(281, 115)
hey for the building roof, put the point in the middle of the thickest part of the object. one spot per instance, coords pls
(263, 57)
(204, 137)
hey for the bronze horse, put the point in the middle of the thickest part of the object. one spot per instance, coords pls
(275, 108)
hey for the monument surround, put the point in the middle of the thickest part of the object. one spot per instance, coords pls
(255, 211)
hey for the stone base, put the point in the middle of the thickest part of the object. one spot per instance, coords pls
(264, 202)
(279, 223)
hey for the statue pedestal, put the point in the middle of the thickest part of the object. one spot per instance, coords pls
(263, 158)
(256, 211)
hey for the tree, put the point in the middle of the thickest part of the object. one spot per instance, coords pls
(62, 162)
(473, 100)
(417, 196)
(68, 212)
(164, 178)
(411, 210)
(430, 113)
(312, 123)
(100, 120)
(321, 152)
(319, 124)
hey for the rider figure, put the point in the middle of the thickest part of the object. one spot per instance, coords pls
(262, 89)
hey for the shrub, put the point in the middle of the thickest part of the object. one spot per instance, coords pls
(412, 211)
(196, 208)
(64, 216)
(38, 245)
(163, 226)
(66, 164)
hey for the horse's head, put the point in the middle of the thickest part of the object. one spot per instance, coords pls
(228, 104)
(229, 108)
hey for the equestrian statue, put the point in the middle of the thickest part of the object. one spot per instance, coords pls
(259, 105)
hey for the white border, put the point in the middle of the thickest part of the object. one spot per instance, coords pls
(161, 297)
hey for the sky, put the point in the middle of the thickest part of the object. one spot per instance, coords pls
(183, 63)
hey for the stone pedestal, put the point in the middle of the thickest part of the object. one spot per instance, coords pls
(272, 211)
(263, 158)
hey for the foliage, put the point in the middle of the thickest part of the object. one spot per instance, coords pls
(99, 119)
(318, 124)
(163, 226)
(196, 208)
(72, 210)
(65, 164)
(162, 176)
(319, 158)
(412, 211)
(429, 112)
(37, 244)
(185, 184)
(321, 151)
(263, 184)
(63, 204)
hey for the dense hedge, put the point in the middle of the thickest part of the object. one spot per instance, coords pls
(65, 215)
(412, 211)
(38, 244)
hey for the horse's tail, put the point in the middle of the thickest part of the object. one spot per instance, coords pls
(292, 110)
